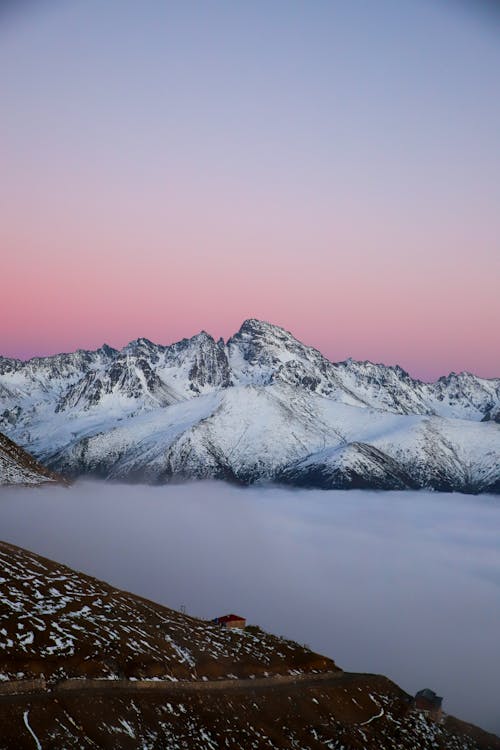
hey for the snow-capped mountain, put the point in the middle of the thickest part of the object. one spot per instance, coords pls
(261, 407)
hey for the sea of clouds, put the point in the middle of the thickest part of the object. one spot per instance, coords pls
(406, 584)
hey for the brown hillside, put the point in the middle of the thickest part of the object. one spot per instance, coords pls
(153, 678)
(17, 466)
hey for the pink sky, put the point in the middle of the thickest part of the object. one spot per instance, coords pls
(338, 184)
(410, 310)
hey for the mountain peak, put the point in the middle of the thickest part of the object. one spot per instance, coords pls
(137, 345)
(202, 336)
(260, 333)
(254, 325)
(107, 350)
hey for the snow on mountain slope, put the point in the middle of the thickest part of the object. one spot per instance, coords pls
(356, 466)
(238, 433)
(196, 365)
(18, 467)
(128, 378)
(253, 432)
(262, 354)
(492, 414)
(134, 448)
(387, 388)
(36, 388)
(424, 452)
(47, 377)
(246, 410)
(447, 454)
(462, 396)
(279, 433)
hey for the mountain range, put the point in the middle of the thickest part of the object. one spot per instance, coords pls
(260, 407)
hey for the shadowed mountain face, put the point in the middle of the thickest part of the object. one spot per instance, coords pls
(261, 407)
(19, 467)
(148, 676)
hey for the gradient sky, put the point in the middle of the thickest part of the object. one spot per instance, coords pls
(332, 167)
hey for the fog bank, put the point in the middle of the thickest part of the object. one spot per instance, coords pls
(406, 584)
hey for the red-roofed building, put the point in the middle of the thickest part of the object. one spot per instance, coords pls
(231, 621)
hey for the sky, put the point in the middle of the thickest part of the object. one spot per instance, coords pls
(331, 167)
(326, 573)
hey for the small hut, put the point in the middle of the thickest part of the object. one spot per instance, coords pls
(231, 621)
(428, 703)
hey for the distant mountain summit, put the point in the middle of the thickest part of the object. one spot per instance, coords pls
(260, 407)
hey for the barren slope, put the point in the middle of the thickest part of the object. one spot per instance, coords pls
(19, 467)
(205, 687)
(60, 623)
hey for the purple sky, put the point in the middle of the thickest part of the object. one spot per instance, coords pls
(331, 167)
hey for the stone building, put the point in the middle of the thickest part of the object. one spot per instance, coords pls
(427, 702)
